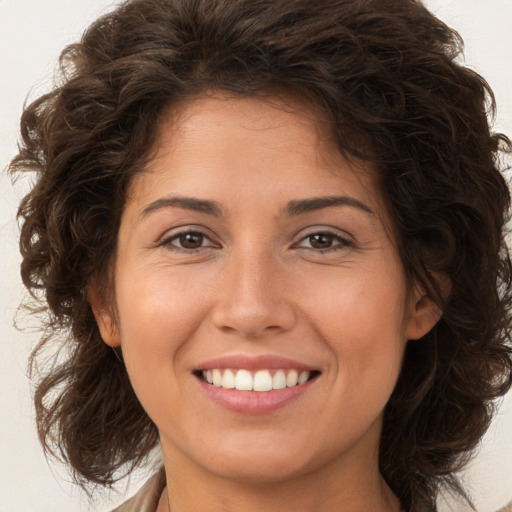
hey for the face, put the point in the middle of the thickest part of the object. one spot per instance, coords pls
(261, 305)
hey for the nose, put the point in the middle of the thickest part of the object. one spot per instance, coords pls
(253, 296)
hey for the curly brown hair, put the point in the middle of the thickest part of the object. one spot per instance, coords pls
(381, 71)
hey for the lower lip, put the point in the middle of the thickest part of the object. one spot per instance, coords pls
(254, 402)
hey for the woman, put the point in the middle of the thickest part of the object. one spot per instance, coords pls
(271, 237)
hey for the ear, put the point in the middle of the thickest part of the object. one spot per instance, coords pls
(104, 317)
(425, 313)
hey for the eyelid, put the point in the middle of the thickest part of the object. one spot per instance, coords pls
(346, 239)
(174, 233)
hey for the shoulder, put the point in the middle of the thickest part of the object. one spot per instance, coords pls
(146, 499)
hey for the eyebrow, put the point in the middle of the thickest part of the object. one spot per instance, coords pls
(187, 203)
(300, 206)
(293, 208)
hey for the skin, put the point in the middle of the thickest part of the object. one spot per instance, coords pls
(257, 282)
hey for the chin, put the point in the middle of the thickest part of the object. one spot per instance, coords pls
(261, 464)
(259, 472)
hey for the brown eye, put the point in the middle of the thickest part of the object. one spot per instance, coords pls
(191, 240)
(321, 240)
(187, 241)
(324, 241)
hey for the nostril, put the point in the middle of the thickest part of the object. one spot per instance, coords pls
(253, 323)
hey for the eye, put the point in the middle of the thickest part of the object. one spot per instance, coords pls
(192, 240)
(188, 241)
(324, 241)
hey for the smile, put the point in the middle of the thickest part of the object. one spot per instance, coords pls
(255, 384)
(260, 381)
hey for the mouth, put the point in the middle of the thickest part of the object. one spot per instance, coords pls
(255, 384)
(262, 380)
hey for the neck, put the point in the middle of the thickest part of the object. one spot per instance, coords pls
(329, 489)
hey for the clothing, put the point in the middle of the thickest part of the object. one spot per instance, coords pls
(146, 500)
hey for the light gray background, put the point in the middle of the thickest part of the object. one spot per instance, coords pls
(32, 33)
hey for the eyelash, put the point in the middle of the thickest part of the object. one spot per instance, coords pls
(167, 242)
(342, 242)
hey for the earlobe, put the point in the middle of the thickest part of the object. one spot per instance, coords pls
(104, 318)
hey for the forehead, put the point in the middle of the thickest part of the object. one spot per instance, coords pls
(275, 120)
(233, 146)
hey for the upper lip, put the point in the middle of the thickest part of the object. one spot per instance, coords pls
(259, 362)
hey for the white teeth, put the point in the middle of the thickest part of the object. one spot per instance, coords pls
(228, 380)
(292, 378)
(217, 377)
(279, 380)
(303, 377)
(243, 380)
(262, 380)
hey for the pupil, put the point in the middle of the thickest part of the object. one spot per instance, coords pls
(321, 241)
(191, 240)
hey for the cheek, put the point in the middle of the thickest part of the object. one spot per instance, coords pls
(362, 319)
(159, 300)
(363, 305)
(158, 314)
(158, 317)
